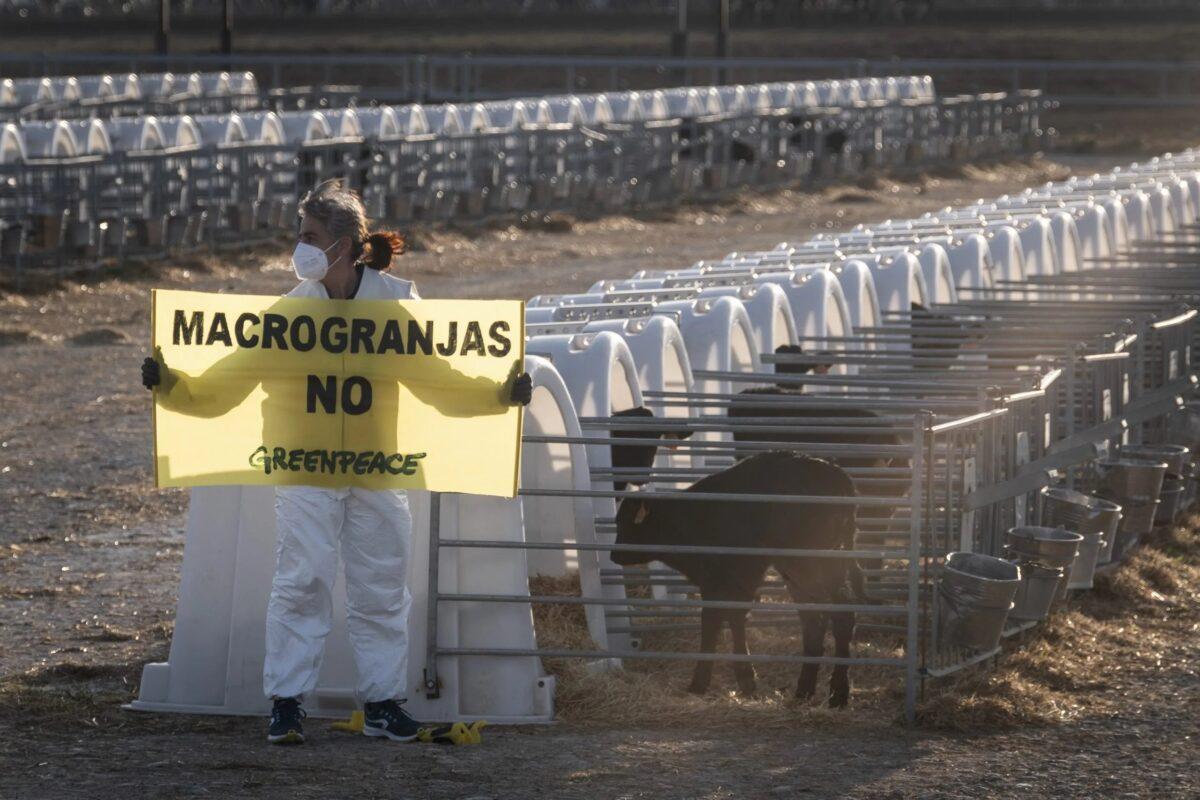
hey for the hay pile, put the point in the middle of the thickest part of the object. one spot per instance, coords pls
(651, 693)
(1055, 673)
(1065, 669)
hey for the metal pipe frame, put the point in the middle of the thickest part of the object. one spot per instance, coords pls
(488, 173)
(939, 501)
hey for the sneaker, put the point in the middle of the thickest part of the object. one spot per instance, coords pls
(389, 719)
(285, 728)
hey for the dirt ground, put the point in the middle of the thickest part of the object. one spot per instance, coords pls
(1104, 702)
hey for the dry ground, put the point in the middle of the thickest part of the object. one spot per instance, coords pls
(1104, 702)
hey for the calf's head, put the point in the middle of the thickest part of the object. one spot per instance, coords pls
(936, 334)
(814, 366)
(835, 142)
(639, 456)
(636, 524)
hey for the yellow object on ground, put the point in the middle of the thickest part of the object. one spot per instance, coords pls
(375, 394)
(458, 733)
(352, 725)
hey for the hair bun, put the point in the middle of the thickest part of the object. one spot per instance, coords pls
(381, 247)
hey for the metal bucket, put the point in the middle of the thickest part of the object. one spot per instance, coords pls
(1079, 512)
(1130, 479)
(1036, 592)
(1172, 499)
(1084, 514)
(1176, 456)
(1137, 520)
(1060, 591)
(1050, 547)
(1109, 535)
(975, 594)
(1083, 571)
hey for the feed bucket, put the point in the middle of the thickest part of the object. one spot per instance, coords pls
(975, 594)
(1050, 547)
(1110, 539)
(1137, 520)
(1083, 571)
(1084, 514)
(1130, 478)
(1036, 592)
(1079, 512)
(1172, 499)
(1176, 456)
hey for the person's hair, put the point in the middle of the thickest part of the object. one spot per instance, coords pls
(341, 210)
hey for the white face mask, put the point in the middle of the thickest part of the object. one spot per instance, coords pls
(309, 261)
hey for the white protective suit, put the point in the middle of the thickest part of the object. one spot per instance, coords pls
(374, 531)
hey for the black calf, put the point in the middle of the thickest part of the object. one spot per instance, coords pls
(662, 521)
(638, 456)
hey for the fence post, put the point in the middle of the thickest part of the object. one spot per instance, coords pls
(680, 36)
(419, 90)
(722, 39)
(227, 30)
(430, 673)
(162, 36)
(921, 424)
(1139, 378)
(1074, 357)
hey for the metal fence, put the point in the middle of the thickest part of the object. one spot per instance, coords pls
(66, 212)
(974, 436)
(1056, 371)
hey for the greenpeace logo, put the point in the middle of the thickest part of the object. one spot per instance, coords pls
(334, 462)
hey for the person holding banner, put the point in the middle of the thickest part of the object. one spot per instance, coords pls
(336, 258)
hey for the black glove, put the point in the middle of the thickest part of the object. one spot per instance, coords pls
(522, 391)
(151, 374)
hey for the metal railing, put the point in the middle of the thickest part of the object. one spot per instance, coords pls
(978, 440)
(1060, 371)
(71, 211)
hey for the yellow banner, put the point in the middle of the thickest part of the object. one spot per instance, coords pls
(377, 394)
